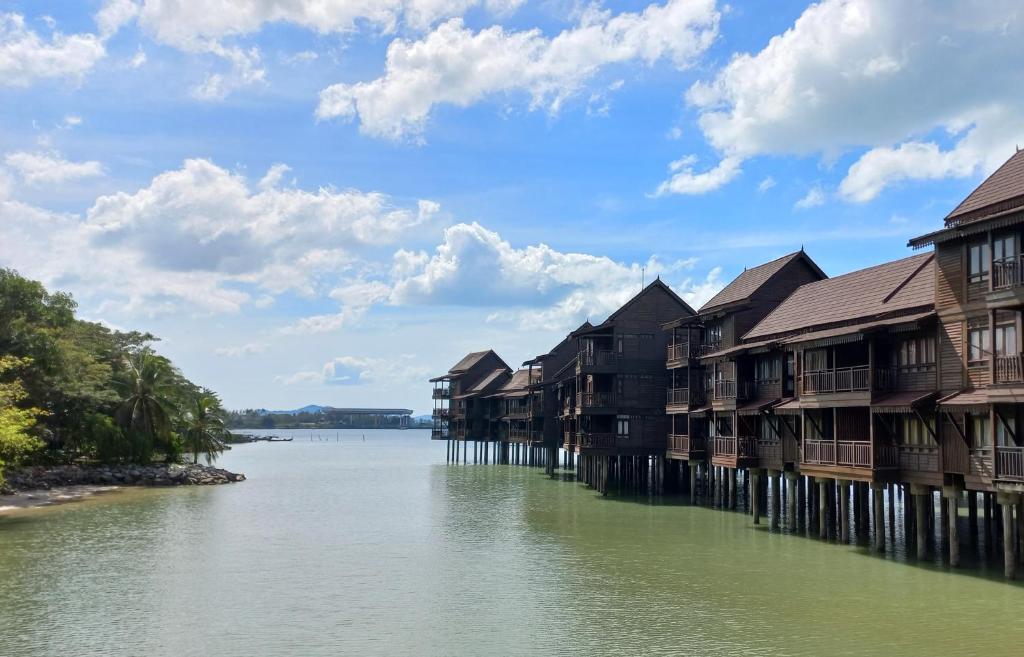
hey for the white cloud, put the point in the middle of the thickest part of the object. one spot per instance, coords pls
(814, 197)
(685, 181)
(875, 74)
(456, 66)
(351, 370)
(766, 184)
(138, 60)
(244, 71)
(50, 168)
(200, 239)
(247, 349)
(537, 285)
(26, 57)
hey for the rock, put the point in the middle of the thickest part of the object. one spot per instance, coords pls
(44, 478)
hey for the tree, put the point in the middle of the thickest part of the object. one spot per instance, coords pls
(204, 428)
(16, 424)
(147, 389)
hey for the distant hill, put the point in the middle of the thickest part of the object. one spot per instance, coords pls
(310, 408)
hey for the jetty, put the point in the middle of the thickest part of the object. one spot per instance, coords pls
(806, 401)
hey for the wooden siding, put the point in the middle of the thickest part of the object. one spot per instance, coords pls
(951, 360)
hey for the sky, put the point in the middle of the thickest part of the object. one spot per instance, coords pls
(330, 201)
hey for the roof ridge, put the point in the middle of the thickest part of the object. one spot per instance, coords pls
(911, 276)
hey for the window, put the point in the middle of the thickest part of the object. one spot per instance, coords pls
(622, 426)
(619, 344)
(815, 360)
(768, 370)
(768, 431)
(917, 433)
(978, 345)
(980, 434)
(1006, 339)
(916, 354)
(713, 334)
(1004, 248)
(790, 387)
(1006, 431)
(978, 263)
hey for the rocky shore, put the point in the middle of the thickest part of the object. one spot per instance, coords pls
(46, 478)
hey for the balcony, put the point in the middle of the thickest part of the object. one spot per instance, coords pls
(710, 348)
(731, 446)
(598, 358)
(568, 440)
(442, 412)
(679, 352)
(597, 440)
(845, 379)
(919, 458)
(685, 444)
(439, 434)
(1010, 369)
(519, 435)
(730, 389)
(595, 400)
(1008, 272)
(849, 454)
(678, 397)
(1010, 464)
(442, 393)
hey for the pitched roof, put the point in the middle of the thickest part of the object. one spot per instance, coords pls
(886, 289)
(656, 284)
(1005, 187)
(751, 280)
(520, 380)
(492, 380)
(468, 361)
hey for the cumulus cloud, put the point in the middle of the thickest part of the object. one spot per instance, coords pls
(26, 56)
(874, 74)
(543, 287)
(200, 238)
(50, 168)
(352, 370)
(685, 180)
(814, 197)
(457, 66)
(767, 183)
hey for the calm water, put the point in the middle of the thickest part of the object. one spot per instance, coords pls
(379, 548)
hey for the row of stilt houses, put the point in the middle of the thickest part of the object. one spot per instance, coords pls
(794, 395)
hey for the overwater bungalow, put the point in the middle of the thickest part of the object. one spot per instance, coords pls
(464, 410)
(979, 296)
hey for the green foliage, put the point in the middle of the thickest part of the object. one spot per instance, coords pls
(83, 390)
(204, 430)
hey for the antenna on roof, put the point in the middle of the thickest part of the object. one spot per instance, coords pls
(643, 270)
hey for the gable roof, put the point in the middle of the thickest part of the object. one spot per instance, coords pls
(887, 289)
(751, 280)
(468, 361)
(1004, 188)
(656, 284)
(489, 382)
(520, 380)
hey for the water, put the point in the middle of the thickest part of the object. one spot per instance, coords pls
(379, 548)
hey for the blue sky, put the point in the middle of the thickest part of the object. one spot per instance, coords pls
(328, 203)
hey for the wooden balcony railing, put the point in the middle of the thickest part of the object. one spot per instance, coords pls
(769, 450)
(710, 348)
(678, 397)
(595, 399)
(442, 393)
(846, 379)
(686, 444)
(849, 453)
(980, 462)
(519, 434)
(679, 351)
(1010, 463)
(1010, 369)
(439, 434)
(725, 389)
(568, 439)
(1008, 272)
(442, 412)
(919, 458)
(598, 357)
(597, 440)
(733, 446)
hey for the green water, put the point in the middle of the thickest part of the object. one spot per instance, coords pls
(379, 548)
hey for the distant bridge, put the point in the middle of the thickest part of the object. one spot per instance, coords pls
(369, 417)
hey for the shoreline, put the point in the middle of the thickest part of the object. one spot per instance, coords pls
(41, 486)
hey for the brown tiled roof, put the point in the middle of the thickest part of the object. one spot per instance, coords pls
(901, 285)
(468, 361)
(1001, 191)
(491, 381)
(519, 381)
(747, 283)
(655, 284)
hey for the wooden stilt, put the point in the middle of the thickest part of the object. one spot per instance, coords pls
(755, 491)
(878, 500)
(791, 484)
(844, 510)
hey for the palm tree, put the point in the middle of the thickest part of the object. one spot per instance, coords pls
(147, 389)
(205, 432)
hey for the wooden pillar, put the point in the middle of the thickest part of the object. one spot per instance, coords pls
(878, 503)
(1008, 502)
(823, 508)
(951, 495)
(892, 511)
(755, 490)
(972, 514)
(844, 511)
(693, 481)
(943, 520)
(732, 488)
(775, 506)
(921, 519)
(791, 484)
